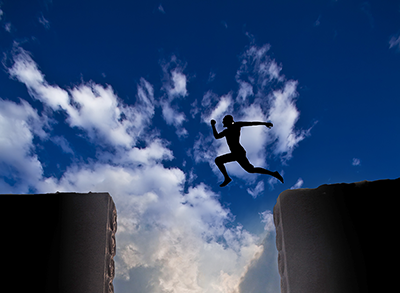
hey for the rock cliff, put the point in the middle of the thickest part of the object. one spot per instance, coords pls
(338, 238)
(62, 242)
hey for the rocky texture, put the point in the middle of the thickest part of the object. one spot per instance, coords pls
(338, 238)
(63, 242)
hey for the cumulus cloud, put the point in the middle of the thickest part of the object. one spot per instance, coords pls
(261, 274)
(181, 236)
(263, 94)
(275, 96)
(181, 240)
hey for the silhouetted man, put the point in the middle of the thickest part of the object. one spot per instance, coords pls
(238, 153)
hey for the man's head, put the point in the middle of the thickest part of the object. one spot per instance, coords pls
(227, 121)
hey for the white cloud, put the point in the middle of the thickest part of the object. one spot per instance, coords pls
(318, 21)
(254, 139)
(245, 90)
(298, 184)
(223, 107)
(394, 42)
(211, 76)
(8, 27)
(143, 110)
(366, 9)
(161, 9)
(268, 219)
(257, 190)
(89, 106)
(258, 68)
(356, 162)
(178, 84)
(284, 115)
(160, 226)
(263, 95)
(42, 20)
(154, 152)
(63, 143)
(174, 86)
(171, 115)
(20, 168)
(185, 239)
(262, 273)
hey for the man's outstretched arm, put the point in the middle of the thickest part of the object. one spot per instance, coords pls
(252, 123)
(215, 132)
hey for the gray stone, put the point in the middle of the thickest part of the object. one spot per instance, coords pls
(338, 238)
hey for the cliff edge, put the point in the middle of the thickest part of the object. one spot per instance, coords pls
(60, 242)
(338, 238)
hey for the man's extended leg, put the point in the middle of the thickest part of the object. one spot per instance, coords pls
(244, 162)
(220, 161)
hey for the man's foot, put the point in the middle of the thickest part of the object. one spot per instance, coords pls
(278, 176)
(225, 183)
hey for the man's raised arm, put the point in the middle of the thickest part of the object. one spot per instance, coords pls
(252, 123)
(215, 132)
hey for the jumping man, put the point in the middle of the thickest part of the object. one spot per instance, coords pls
(238, 153)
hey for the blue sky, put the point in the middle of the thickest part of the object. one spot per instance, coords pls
(117, 96)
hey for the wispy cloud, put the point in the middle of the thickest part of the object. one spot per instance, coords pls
(318, 21)
(356, 162)
(298, 184)
(161, 9)
(42, 20)
(394, 42)
(257, 190)
(63, 143)
(366, 9)
(174, 85)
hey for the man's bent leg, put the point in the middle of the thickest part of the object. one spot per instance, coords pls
(220, 161)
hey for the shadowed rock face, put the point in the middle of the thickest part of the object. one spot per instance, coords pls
(63, 242)
(338, 238)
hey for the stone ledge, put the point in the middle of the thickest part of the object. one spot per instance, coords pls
(62, 242)
(338, 238)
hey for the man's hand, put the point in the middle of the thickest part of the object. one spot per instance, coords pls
(269, 125)
(213, 122)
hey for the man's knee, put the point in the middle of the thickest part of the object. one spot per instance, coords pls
(249, 168)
